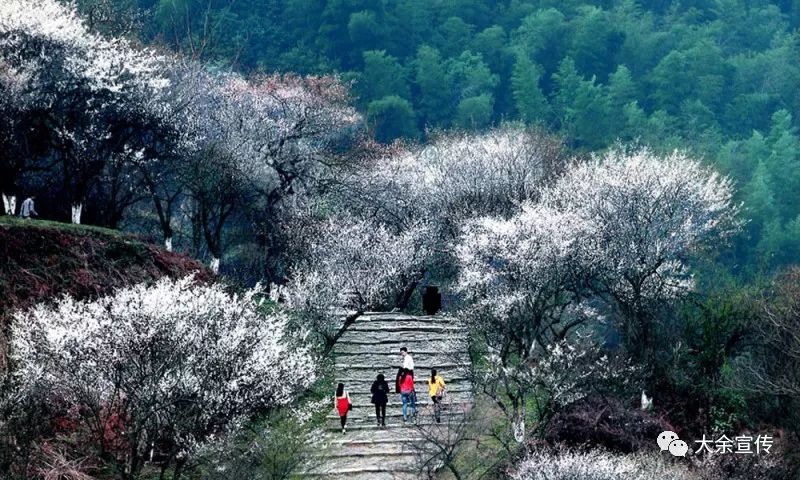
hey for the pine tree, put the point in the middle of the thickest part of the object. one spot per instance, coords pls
(784, 164)
(583, 106)
(529, 100)
(435, 105)
(383, 76)
(391, 117)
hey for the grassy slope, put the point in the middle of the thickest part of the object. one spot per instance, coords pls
(42, 260)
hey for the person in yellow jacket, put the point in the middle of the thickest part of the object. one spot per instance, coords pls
(436, 391)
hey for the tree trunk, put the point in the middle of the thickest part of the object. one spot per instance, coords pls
(405, 295)
(331, 341)
(518, 422)
(163, 209)
(179, 465)
(9, 204)
(77, 208)
(453, 470)
(213, 234)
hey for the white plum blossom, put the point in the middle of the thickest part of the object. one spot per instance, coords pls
(615, 231)
(508, 264)
(517, 274)
(111, 64)
(453, 178)
(518, 277)
(649, 213)
(179, 362)
(275, 128)
(598, 465)
(87, 84)
(259, 142)
(352, 266)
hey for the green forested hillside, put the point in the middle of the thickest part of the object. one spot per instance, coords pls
(719, 77)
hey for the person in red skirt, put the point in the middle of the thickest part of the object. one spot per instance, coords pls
(343, 405)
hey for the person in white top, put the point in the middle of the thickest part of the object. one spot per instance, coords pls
(27, 210)
(408, 360)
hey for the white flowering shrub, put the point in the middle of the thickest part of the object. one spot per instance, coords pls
(599, 465)
(167, 367)
(570, 370)
(48, 25)
(653, 465)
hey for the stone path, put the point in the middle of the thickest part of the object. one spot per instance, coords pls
(372, 346)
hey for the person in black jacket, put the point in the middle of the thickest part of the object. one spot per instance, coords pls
(380, 397)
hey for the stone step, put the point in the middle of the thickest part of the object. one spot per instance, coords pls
(402, 326)
(365, 380)
(367, 316)
(360, 393)
(394, 416)
(420, 368)
(394, 355)
(393, 325)
(452, 397)
(375, 338)
(375, 437)
(391, 361)
(376, 464)
(351, 352)
(391, 356)
(453, 400)
(392, 422)
(456, 393)
(379, 344)
(364, 475)
(363, 449)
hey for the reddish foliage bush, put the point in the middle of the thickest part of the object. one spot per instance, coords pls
(606, 422)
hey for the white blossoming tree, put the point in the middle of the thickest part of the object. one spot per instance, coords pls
(77, 84)
(258, 143)
(614, 232)
(521, 278)
(353, 266)
(156, 371)
(649, 213)
(447, 183)
(454, 178)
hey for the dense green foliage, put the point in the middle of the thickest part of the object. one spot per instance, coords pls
(719, 77)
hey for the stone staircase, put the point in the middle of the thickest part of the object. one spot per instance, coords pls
(372, 346)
